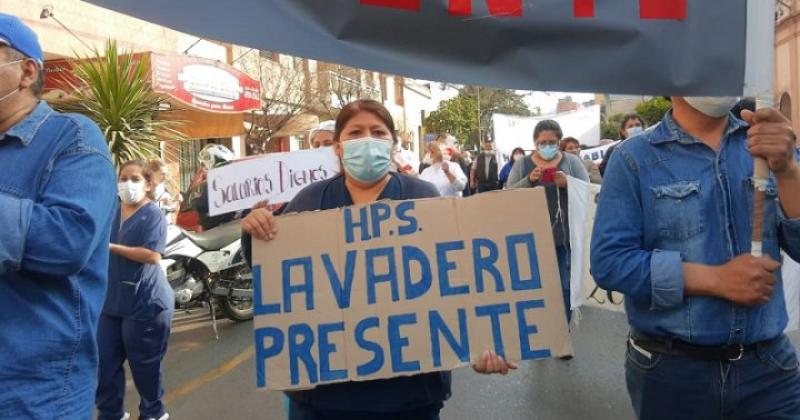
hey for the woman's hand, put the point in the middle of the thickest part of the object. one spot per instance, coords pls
(535, 175)
(260, 223)
(491, 362)
(560, 179)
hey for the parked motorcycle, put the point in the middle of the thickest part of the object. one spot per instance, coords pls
(209, 269)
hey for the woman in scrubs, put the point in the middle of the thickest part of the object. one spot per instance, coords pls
(136, 318)
(364, 137)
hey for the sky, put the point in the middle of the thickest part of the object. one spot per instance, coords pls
(548, 101)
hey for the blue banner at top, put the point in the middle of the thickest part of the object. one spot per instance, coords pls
(676, 47)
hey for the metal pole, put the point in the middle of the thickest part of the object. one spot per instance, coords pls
(764, 15)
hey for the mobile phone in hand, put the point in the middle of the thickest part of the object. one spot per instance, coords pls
(548, 176)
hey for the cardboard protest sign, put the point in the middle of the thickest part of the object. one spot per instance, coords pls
(399, 288)
(276, 177)
(658, 47)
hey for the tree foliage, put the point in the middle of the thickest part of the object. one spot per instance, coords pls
(653, 110)
(610, 127)
(113, 90)
(459, 116)
(337, 86)
(284, 97)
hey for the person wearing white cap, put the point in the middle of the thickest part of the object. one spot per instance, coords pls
(322, 136)
(58, 195)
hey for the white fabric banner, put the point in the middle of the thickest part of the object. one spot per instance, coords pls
(791, 290)
(512, 131)
(276, 177)
(597, 154)
(582, 209)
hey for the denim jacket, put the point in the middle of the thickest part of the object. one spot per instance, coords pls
(57, 197)
(667, 199)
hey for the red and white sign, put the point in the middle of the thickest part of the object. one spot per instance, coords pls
(205, 84)
(59, 73)
(198, 82)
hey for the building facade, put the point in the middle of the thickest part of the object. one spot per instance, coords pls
(787, 66)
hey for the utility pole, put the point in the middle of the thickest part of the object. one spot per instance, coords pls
(479, 118)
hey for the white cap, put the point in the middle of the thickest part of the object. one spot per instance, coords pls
(329, 125)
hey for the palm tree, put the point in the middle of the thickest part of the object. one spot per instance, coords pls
(113, 89)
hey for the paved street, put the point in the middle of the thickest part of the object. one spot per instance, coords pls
(209, 379)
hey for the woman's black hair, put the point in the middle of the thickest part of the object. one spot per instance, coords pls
(547, 125)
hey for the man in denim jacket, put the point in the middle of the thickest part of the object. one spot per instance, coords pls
(57, 197)
(673, 233)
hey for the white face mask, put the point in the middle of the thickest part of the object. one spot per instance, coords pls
(427, 159)
(160, 190)
(131, 192)
(712, 106)
(516, 156)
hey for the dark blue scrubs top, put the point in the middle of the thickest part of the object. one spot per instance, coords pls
(138, 291)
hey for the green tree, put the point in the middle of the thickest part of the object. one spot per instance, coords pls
(610, 127)
(653, 110)
(114, 91)
(459, 116)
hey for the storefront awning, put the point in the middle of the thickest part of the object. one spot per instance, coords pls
(210, 97)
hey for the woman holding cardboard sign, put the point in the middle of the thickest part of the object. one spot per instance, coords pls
(363, 141)
(548, 167)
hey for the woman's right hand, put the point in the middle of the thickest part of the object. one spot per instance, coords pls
(260, 223)
(535, 175)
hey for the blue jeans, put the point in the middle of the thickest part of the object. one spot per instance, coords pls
(765, 385)
(563, 256)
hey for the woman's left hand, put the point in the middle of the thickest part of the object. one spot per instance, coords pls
(491, 362)
(560, 179)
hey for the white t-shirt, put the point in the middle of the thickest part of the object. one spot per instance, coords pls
(436, 176)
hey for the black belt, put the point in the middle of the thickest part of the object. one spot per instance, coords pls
(731, 352)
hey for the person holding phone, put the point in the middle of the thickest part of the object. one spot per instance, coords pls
(548, 167)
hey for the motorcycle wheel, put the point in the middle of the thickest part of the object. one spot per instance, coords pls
(239, 310)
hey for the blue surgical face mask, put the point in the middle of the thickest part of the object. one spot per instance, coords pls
(548, 152)
(368, 159)
(634, 131)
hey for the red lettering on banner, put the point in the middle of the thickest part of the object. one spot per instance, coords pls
(496, 7)
(583, 8)
(456, 7)
(648, 9)
(460, 7)
(662, 9)
(395, 4)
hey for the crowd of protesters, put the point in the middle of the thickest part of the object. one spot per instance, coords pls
(81, 291)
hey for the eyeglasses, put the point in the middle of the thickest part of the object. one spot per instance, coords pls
(10, 63)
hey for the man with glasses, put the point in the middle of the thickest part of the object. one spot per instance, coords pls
(57, 197)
